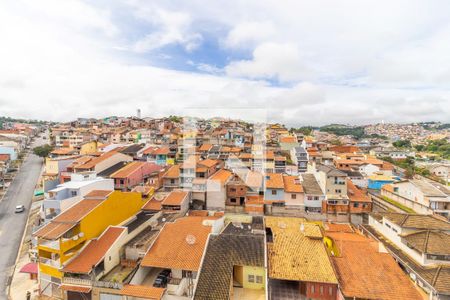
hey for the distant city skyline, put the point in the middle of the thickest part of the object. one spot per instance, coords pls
(306, 62)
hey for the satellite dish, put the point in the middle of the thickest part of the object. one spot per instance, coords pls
(282, 225)
(190, 239)
(75, 237)
(81, 234)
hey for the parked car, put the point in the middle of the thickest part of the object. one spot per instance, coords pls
(160, 281)
(19, 209)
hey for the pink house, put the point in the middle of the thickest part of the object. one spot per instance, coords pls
(133, 174)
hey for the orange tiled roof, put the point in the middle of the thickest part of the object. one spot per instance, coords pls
(173, 172)
(128, 169)
(205, 147)
(93, 162)
(4, 157)
(336, 227)
(365, 273)
(288, 139)
(76, 212)
(141, 291)
(208, 162)
(175, 198)
(221, 175)
(161, 151)
(356, 194)
(180, 245)
(54, 230)
(291, 186)
(97, 194)
(94, 252)
(76, 288)
(274, 181)
(152, 204)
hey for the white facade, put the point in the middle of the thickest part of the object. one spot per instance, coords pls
(67, 194)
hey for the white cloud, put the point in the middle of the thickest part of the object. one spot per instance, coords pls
(353, 63)
(247, 34)
(172, 28)
(271, 60)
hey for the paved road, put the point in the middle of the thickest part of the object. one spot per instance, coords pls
(12, 225)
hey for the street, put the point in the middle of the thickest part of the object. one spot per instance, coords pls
(11, 224)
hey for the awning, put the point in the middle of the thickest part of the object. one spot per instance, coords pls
(30, 268)
(76, 288)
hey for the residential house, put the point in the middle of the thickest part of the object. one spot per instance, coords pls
(298, 263)
(66, 234)
(240, 273)
(67, 194)
(179, 247)
(422, 195)
(171, 179)
(216, 191)
(133, 174)
(314, 196)
(366, 270)
(294, 195)
(103, 162)
(420, 244)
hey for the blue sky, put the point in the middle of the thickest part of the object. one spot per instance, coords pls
(303, 62)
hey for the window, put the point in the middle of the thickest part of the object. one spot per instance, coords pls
(172, 181)
(356, 204)
(233, 200)
(338, 191)
(259, 279)
(251, 278)
(316, 198)
(233, 190)
(313, 289)
(321, 289)
(274, 192)
(293, 196)
(74, 193)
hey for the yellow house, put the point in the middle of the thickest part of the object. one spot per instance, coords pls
(88, 147)
(66, 234)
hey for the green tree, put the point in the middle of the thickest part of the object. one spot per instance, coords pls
(402, 144)
(43, 151)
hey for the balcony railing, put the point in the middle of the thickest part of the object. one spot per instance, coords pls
(50, 262)
(50, 244)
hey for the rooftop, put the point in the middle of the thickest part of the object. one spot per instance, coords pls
(297, 252)
(94, 252)
(366, 273)
(180, 244)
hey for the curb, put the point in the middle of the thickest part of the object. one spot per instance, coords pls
(8, 288)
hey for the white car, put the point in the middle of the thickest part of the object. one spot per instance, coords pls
(19, 208)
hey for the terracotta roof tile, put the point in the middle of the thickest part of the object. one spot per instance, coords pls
(173, 172)
(292, 184)
(221, 175)
(175, 198)
(76, 212)
(365, 273)
(140, 291)
(180, 245)
(94, 252)
(274, 181)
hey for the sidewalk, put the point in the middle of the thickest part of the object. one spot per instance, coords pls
(21, 282)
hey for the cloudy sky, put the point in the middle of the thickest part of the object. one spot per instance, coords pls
(303, 62)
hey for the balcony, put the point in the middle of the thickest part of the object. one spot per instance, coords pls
(50, 244)
(50, 262)
(67, 244)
